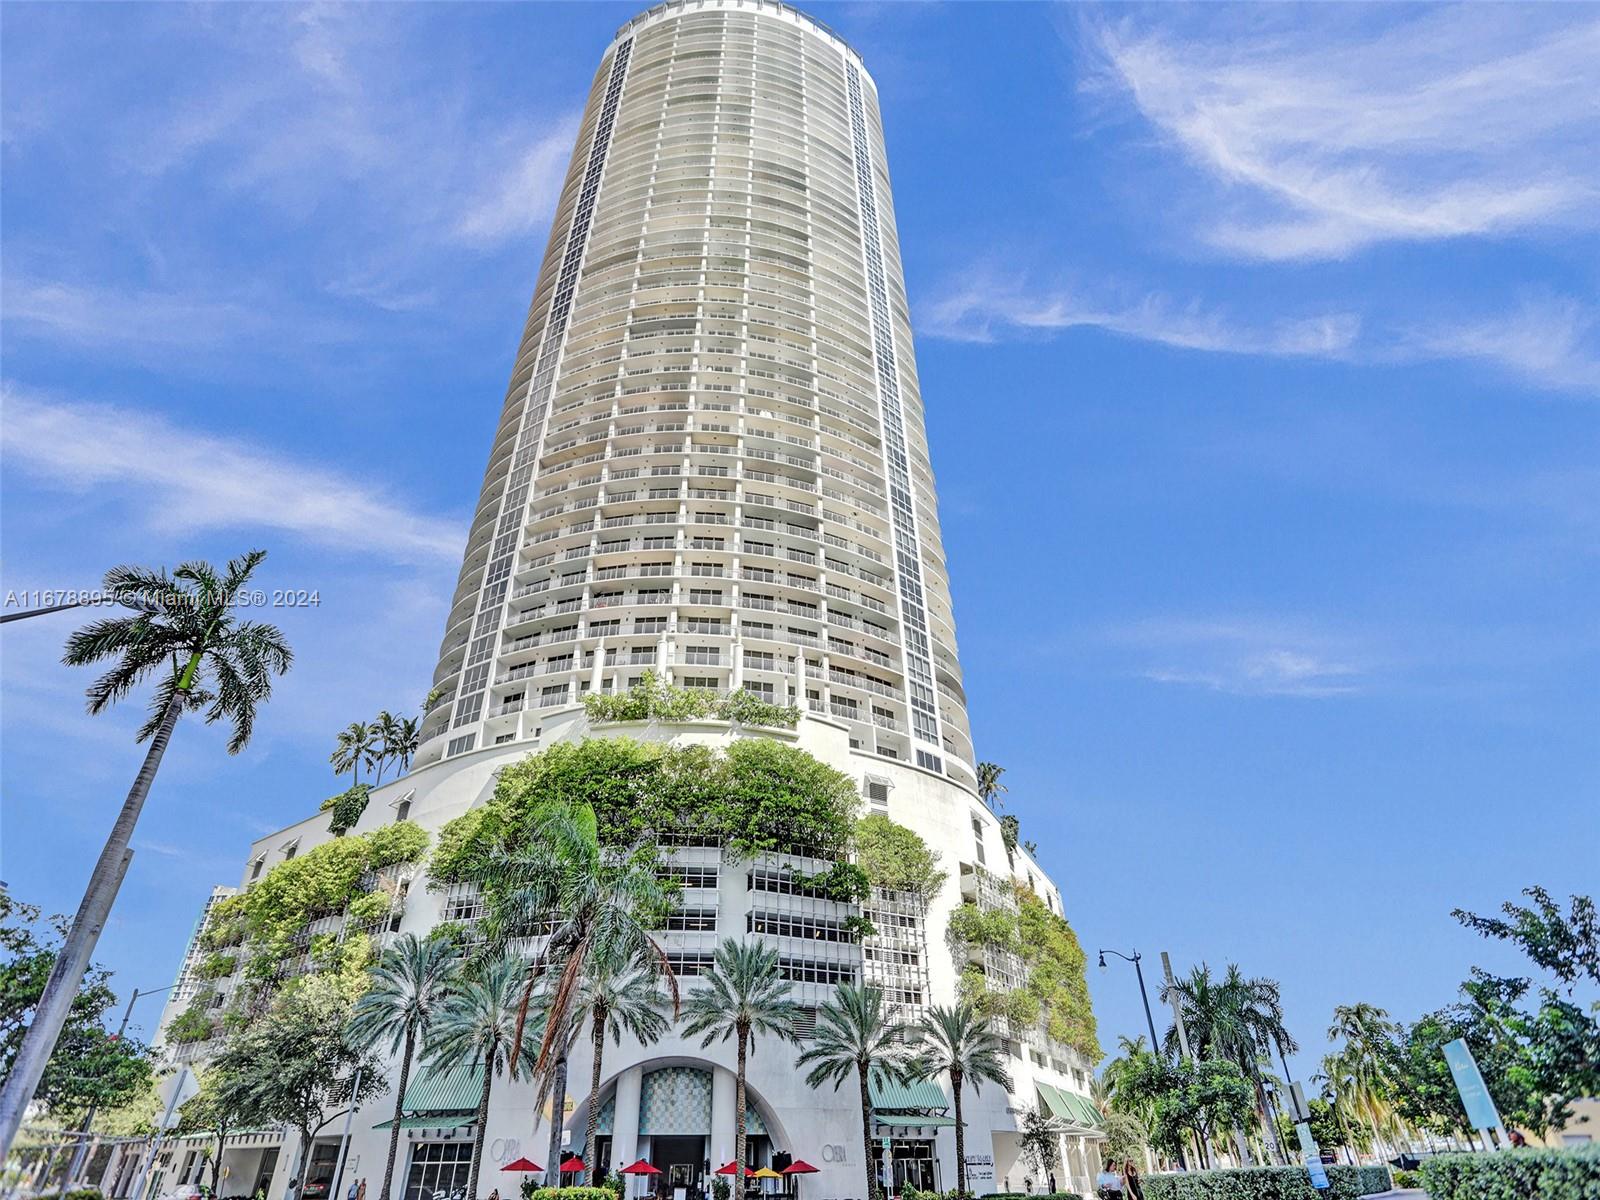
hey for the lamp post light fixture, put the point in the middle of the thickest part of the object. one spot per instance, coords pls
(1155, 1044)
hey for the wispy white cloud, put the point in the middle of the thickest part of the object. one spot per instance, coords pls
(1548, 341)
(522, 199)
(1336, 134)
(189, 481)
(1248, 657)
(988, 310)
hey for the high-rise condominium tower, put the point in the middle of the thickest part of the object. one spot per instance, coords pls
(711, 459)
(711, 464)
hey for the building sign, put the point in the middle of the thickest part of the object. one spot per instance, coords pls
(1475, 1096)
(835, 1154)
(980, 1173)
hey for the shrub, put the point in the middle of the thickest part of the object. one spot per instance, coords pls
(897, 859)
(1267, 1183)
(217, 965)
(347, 808)
(374, 906)
(573, 1193)
(1408, 1179)
(1572, 1174)
(652, 698)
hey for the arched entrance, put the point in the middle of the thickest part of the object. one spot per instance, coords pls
(678, 1116)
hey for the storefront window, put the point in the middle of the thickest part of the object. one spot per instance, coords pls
(438, 1170)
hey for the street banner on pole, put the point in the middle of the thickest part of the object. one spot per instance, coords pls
(1475, 1097)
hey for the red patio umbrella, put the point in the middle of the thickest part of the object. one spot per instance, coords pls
(522, 1164)
(728, 1169)
(573, 1165)
(799, 1167)
(639, 1168)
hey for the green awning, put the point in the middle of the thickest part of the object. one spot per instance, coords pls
(903, 1120)
(1055, 1101)
(1086, 1109)
(1069, 1106)
(888, 1096)
(440, 1099)
(432, 1121)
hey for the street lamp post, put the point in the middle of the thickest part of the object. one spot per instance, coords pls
(82, 1149)
(1155, 1044)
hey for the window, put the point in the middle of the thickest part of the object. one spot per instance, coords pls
(702, 683)
(290, 851)
(707, 543)
(812, 928)
(256, 865)
(705, 596)
(805, 970)
(690, 877)
(438, 1168)
(461, 745)
(553, 695)
(877, 793)
(702, 656)
(763, 689)
(693, 920)
(402, 810)
(977, 840)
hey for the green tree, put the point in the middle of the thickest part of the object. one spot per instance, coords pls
(1037, 1141)
(477, 1030)
(896, 859)
(411, 984)
(959, 1044)
(616, 996)
(1363, 1084)
(1126, 1139)
(855, 1035)
(596, 902)
(295, 1063)
(217, 1108)
(743, 995)
(186, 634)
(989, 785)
(356, 745)
(401, 744)
(1568, 946)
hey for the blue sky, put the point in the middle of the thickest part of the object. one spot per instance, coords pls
(1261, 364)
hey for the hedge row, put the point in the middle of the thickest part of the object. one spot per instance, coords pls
(1267, 1183)
(1515, 1175)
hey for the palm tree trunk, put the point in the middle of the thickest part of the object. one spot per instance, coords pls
(558, 1105)
(483, 1122)
(743, 1035)
(592, 1128)
(399, 1114)
(866, 1133)
(961, 1135)
(66, 976)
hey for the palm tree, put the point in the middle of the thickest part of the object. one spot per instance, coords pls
(409, 986)
(353, 747)
(854, 1033)
(618, 997)
(1236, 1019)
(476, 1030)
(385, 731)
(989, 785)
(957, 1042)
(185, 631)
(1361, 1067)
(589, 901)
(744, 994)
(403, 744)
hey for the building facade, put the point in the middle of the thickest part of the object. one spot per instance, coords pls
(711, 464)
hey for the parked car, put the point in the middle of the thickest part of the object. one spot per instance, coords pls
(187, 1191)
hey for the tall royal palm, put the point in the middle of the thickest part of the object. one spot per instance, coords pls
(855, 1035)
(556, 880)
(385, 732)
(744, 994)
(618, 998)
(959, 1044)
(355, 745)
(476, 1030)
(410, 985)
(186, 633)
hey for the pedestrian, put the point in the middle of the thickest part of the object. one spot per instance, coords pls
(1052, 1183)
(350, 1192)
(1132, 1189)
(292, 1192)
(1108, 1184)
(1517, 1140)
(495, 1195)
(361, 1192)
